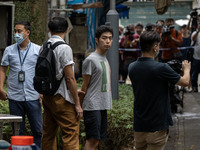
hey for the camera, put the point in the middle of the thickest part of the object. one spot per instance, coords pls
(166, 30)
(176, 65)
(129, 34)
(194, 15)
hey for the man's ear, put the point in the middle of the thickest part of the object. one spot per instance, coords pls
(66, 30)
(96, 41)
(28, 32)
(155, 47)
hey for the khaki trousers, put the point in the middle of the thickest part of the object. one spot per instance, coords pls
(150, 140)
(59, 113)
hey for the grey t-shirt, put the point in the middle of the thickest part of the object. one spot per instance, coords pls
(98, 96)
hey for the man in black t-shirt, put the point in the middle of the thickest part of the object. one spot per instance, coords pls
(150, 80)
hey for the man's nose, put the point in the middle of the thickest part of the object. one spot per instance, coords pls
(108, 40)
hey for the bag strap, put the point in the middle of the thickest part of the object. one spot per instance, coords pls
(56, 44)
(45, 44)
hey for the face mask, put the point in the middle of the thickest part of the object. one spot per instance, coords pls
(49, 34)
(156, 53)
(18, 37)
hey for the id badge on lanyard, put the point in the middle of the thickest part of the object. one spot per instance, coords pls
(21, 74)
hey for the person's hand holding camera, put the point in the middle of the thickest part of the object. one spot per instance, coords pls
(186, 66)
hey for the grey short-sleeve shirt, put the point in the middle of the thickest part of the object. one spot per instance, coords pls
(98, 95)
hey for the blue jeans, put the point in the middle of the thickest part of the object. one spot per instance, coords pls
(195, 72)
(34, 113)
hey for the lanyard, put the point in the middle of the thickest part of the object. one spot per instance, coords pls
(22, 62)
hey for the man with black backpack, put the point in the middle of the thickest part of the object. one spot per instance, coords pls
(61, 106)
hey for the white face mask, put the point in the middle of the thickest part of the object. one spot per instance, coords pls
(49, 34)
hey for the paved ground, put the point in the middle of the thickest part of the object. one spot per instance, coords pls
(185, 134)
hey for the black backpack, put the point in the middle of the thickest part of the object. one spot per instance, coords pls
(45, 81)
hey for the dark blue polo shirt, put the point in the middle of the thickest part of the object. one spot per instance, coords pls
(150, 81)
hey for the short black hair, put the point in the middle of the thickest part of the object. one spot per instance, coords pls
(149, 27)
(58, 25)
(103, 29)
(169, 19)
(148, 39)
(139, 25)
(25, 23)
(160, 20)
(183, 26)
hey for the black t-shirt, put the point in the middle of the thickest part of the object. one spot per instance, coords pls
(150, 81)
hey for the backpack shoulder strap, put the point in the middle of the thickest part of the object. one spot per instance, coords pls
(57, 43)
(45, 44)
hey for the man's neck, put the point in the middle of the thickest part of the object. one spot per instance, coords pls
(24, 44)
(148, 55)
(62, 35)
(101, 52)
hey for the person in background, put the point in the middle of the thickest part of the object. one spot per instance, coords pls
(161, 22)
(150, 79)
(193, 21)
(138, 31)
(21, 59)
(150, 27)
(131, 28)
(121, 32)
(196, 58)
(97, 87)
(159, 29)
(171, 39)
(186, 41)
(128, 41)
(139, 28)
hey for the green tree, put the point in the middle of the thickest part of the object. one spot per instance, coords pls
(35, 12)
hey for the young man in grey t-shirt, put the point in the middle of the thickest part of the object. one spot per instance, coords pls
(97, 87)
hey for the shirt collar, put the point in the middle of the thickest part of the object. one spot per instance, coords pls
(27, 47)
(145, 59)
(56, 37)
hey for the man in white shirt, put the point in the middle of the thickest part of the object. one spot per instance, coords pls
(63, 109)
(196, 58)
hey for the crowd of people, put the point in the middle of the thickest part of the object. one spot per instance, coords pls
(182, 44)
(64, 108)
(139, 58)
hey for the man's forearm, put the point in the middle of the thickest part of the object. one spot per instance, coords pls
(188, 25)
(185, 79)
(194, 38)
(71, 84)
(2, 77)
(186, 76)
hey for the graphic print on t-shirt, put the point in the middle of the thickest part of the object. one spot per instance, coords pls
(105, 77)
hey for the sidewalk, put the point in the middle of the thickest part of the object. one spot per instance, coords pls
(185, 134)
